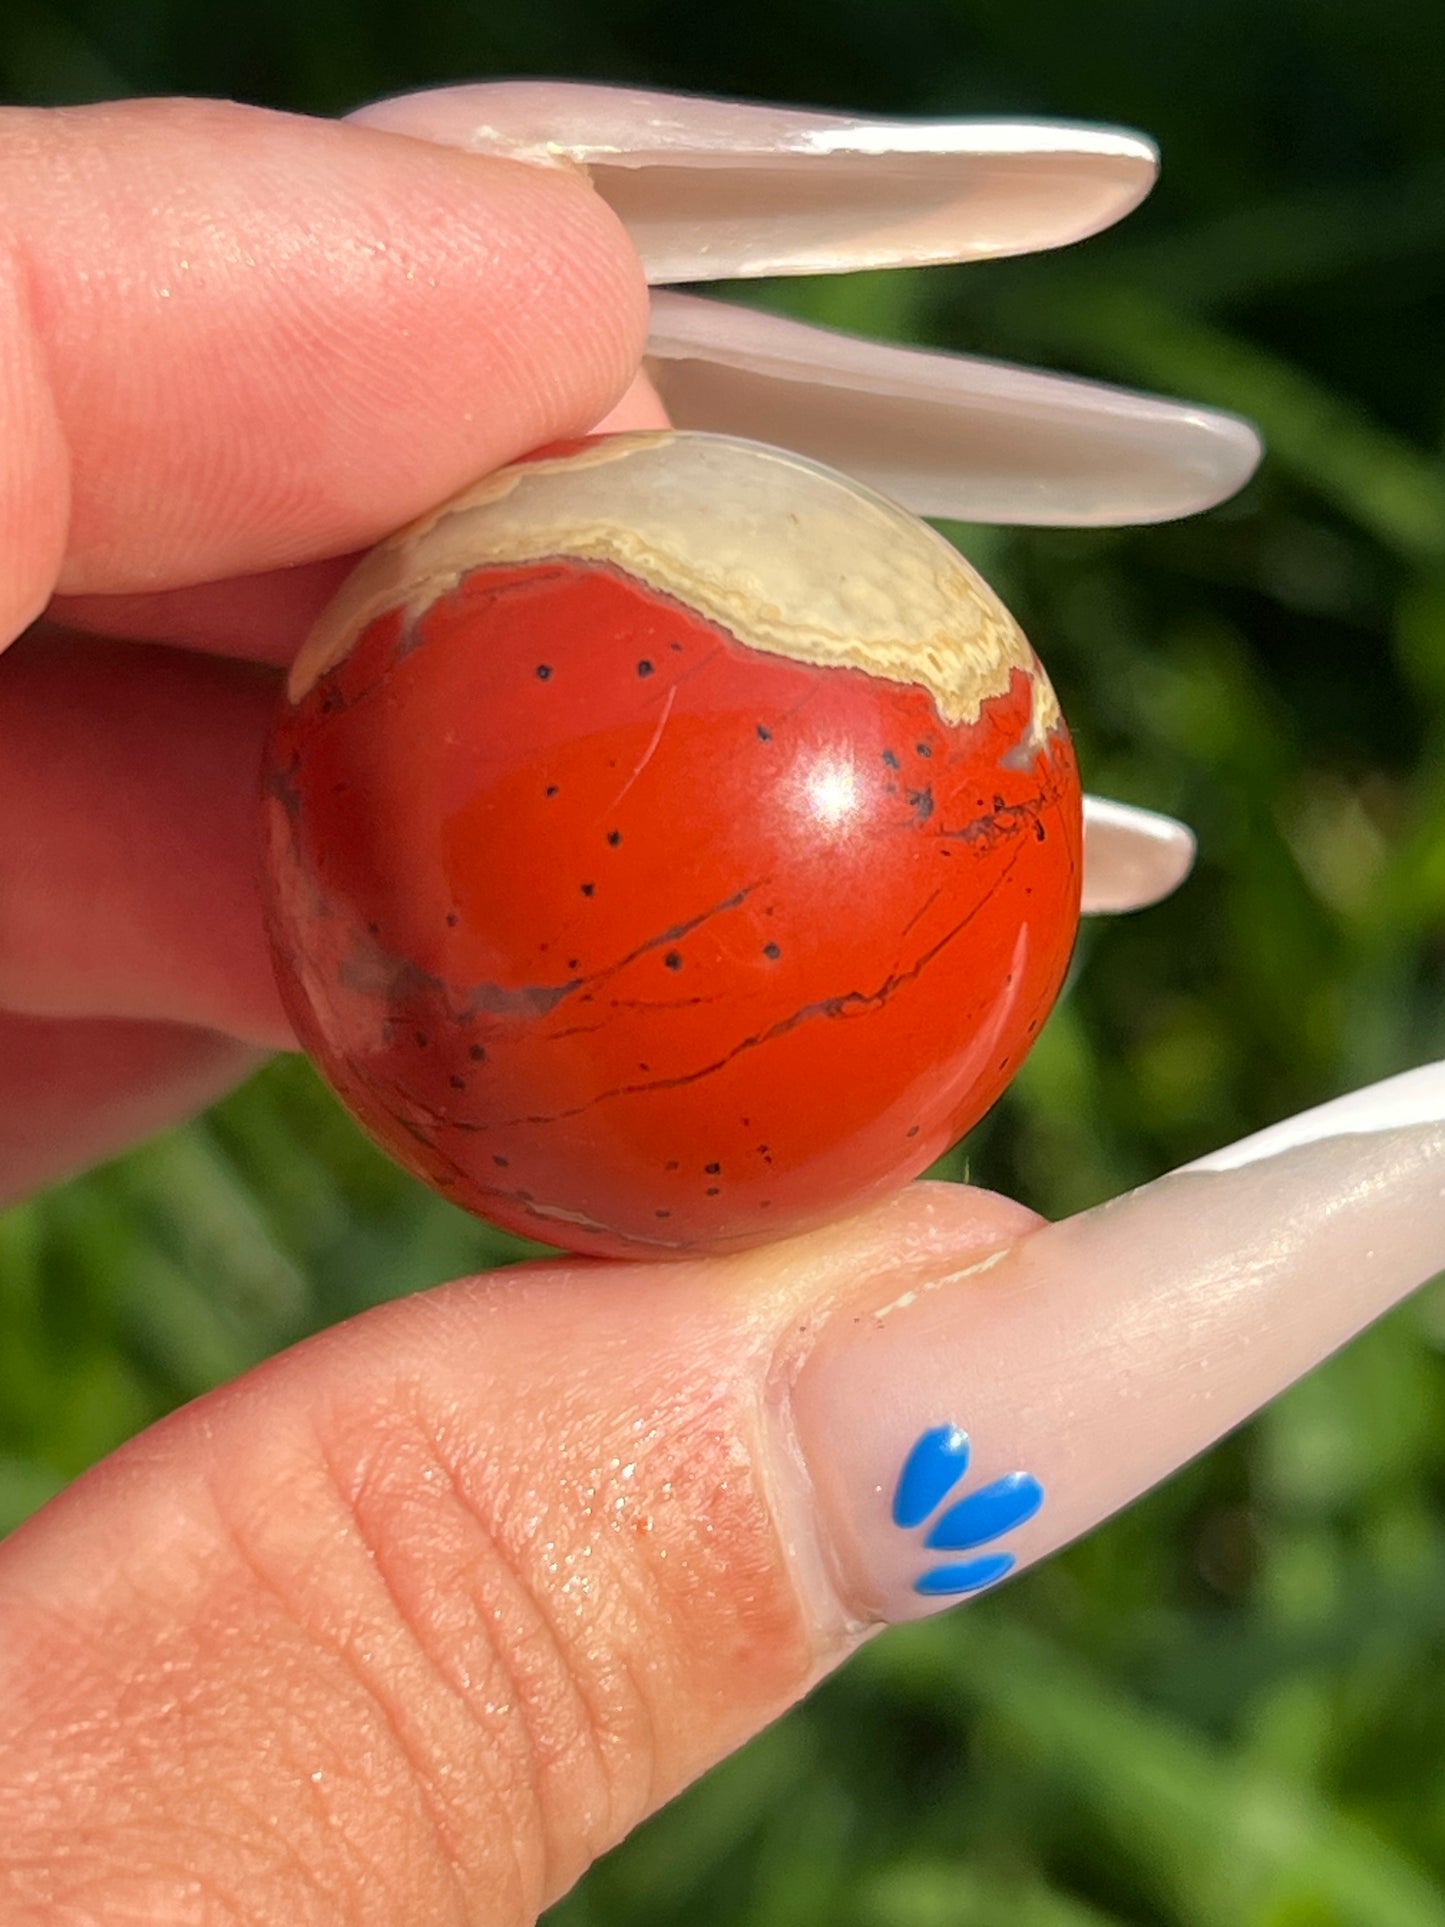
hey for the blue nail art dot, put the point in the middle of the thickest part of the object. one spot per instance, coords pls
(988, 1513)
(949, 1581)
(937, 1463)
(930, 1472)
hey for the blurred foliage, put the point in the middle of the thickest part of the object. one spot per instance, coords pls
(1227, 1708)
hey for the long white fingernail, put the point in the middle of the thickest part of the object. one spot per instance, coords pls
(946, 435)
(1132, 857)
(1413, 1099)
(711, 189)
(972, 1419)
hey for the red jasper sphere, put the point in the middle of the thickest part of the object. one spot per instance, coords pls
(672, 845)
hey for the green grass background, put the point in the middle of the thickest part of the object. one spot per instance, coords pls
(1227, 1709)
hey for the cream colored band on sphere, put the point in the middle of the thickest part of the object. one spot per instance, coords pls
(787, 556)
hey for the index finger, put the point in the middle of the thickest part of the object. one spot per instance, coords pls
(235, 340)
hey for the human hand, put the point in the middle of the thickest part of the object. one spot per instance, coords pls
(415, 1620)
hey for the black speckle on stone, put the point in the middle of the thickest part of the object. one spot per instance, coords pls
(765, 735)
(923, 749)
(645, 1069)
(614, 837)
(660, 1213)
(891, 759)
(712, 1169)
(644, 668)
(453, 919)
(1040, 832)
(476, 1053)
(544, 671)
(457, 1083)
(375, 929)
(672, 1165)
(912, 1130)
(422, 1039)
(574, 963)
(551, 789)
(676, 647)
(772, 950)
(500, 1162)
(921, 803)
(588, 889)
(714, 1190)
(673, 960)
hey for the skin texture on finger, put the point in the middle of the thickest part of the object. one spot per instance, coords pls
(130, 864)
(255, 618)
(266, 617)
(34, 466)
(410, 1624)
(414, 1621)
(266, 339)
(75, 1092)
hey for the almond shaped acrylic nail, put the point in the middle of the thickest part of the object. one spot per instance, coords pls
(973, 1418)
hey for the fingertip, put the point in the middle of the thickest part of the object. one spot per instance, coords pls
(34, 463)
(257, 618)
(270, 339)
(509, 1554)
(76, 1091)
(130, 868)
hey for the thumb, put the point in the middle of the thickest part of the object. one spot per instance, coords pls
(411, 1623)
